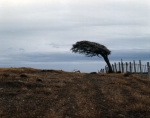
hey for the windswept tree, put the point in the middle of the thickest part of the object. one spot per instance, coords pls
(91, 49)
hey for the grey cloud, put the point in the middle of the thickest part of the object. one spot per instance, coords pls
(129, 55)
(10, 48)
(72, 57)
(54, 45)
(36, 31)
(69, 61)
(21, 49)
(56, 17)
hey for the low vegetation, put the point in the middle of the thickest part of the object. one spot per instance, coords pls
(34, 93)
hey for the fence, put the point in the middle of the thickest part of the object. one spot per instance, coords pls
(129, 67)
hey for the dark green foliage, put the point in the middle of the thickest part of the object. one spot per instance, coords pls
(91, 49)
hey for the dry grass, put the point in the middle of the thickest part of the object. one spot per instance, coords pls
(33, 93)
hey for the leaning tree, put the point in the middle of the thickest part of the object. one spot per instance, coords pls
(91, 49)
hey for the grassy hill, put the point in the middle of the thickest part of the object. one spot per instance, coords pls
(34, 93)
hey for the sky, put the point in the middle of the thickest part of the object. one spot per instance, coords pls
(40, 33)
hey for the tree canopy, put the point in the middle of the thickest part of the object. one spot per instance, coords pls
(91, 49)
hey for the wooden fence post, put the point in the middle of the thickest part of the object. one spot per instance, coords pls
(119, 67)
(147, 66)
(115, 67)
(122, 67)
(130, 67)
(134, 66)
(140, 66)
(148, 69)
(149, 72)
(126, 66)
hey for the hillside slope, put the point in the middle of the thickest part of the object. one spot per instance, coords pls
(28, 92)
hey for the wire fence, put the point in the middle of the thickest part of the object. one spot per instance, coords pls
(129, 67)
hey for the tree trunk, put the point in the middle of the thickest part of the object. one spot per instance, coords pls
(108, 63)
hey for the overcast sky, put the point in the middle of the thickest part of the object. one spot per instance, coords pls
(40, 33)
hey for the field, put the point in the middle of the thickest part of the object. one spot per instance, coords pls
(34, 93)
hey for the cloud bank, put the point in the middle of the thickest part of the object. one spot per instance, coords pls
(36, 32)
